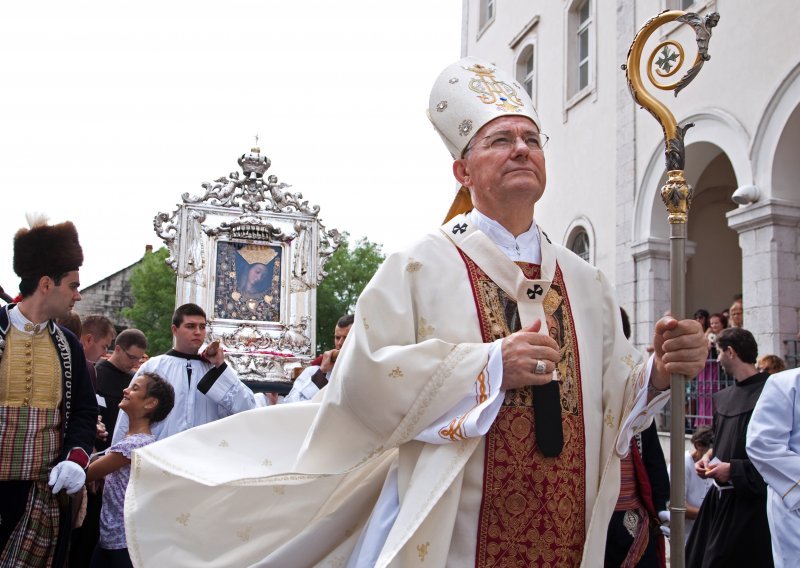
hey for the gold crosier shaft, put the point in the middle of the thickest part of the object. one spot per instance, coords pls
(677, 196)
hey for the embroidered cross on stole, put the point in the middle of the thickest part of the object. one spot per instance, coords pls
(533, 511)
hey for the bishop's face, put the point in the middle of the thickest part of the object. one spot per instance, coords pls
(502, 167)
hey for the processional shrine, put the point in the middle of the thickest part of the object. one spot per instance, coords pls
(251, 254)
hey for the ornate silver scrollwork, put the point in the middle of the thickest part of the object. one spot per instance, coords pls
(328, 243)
(252, 255)
(166, 227)
(250, 191)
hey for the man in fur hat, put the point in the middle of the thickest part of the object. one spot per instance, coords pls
(48, 409)
(479, 408)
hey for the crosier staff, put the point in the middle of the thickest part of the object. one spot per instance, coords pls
(664, 61)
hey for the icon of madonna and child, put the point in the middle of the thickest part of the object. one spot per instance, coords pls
(248, 282)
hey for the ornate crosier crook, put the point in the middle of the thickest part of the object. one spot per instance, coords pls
(664, 61)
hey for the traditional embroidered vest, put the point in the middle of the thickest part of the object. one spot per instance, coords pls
(533, 507)
(30, 405)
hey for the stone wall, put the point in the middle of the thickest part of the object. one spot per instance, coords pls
(108, 297)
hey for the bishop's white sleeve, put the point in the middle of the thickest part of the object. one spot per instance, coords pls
(642, 412)
(474, 415)
(773, 439)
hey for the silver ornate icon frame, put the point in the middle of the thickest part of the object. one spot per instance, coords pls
(239, 219)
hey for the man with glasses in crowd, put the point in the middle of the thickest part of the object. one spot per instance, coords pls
(115, 373)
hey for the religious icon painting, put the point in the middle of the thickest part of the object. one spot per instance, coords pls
(248, 281)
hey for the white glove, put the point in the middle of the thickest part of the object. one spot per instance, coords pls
(67, 475)
(663, 516)
(664, 530)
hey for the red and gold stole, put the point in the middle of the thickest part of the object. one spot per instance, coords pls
(533, 511)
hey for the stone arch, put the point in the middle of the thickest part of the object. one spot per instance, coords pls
(776, 142)
(715, 132)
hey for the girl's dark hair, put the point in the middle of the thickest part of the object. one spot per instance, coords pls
(703, 436)
(722, 318)
(162, 391)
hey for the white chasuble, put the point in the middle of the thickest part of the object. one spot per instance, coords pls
(294, 485)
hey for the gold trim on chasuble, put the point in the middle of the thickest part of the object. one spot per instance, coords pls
(533, 508)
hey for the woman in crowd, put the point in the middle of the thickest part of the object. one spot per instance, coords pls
(736, 312)
(770, 364)
(702, 316)
(708, 379)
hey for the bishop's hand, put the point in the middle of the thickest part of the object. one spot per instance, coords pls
(680, 348)
(529, 357)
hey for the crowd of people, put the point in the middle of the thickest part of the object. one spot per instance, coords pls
(713, 378)
(483, 406)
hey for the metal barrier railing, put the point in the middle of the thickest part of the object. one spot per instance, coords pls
(699, 392)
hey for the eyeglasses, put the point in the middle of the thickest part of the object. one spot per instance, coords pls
(506, 140)
(131, 357)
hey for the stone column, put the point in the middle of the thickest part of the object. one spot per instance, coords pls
(651, 258)
(769, 235)
(625, 269)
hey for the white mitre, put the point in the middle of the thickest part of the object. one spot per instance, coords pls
(468, 94)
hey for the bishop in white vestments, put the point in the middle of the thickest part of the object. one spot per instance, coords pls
(476, 414)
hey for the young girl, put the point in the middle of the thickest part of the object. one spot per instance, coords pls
(148, 399)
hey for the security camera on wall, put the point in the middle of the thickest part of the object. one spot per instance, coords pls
(745, 195)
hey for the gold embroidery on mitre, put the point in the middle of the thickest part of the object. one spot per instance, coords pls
(267, 463)
(396, 373)
(223, 444)
(183, 519)
(257, 254)
(422, 550)
(366, 325)
(278, 490)
(492, 91)
(413, 265)
(628, 360)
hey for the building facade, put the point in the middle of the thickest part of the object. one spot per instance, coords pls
(606, 158)
(108, 297)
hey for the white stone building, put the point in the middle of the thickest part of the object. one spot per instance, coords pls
(605, 155)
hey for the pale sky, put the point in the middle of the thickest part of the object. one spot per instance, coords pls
(109, 111)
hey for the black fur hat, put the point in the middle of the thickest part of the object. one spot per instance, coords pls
(46, 249)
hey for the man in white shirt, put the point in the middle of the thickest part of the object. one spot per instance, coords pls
(315, 377)
(206, 389)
